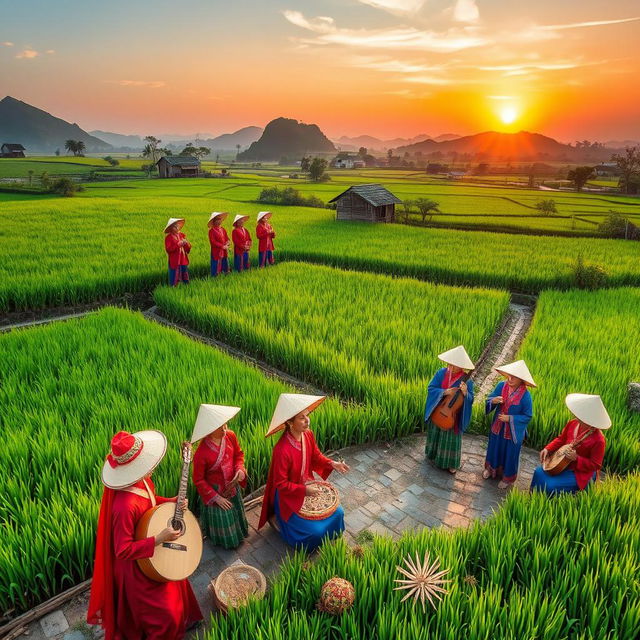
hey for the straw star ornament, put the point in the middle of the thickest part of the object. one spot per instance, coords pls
(424, 580)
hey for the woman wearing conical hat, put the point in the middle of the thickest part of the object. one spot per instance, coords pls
(585, 433)
(177, 247)
(443, 448)
(219, 241)
(241, 243)
(123, 600)
(218, 472)
(295, 459)
(265, 235)
(512, 408)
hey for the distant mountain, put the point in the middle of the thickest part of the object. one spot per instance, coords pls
(376, 144)
(244, 137)
(445, 137)
(119, 140)
(38, 130)
(621, 144)
(289, 138)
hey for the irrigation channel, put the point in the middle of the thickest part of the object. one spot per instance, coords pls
(390, 489)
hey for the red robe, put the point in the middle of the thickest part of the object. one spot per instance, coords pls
(289, 471)
(218, 238)
(127, 604)
(177, 254)
(590, 451)
(214, 465)
(241, 239)
(265, 234)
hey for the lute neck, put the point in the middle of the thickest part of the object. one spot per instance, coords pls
(182, 491)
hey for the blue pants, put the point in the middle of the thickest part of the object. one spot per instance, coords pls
(182, 272)
(265, 258)
(241, 262)
(309, 534)
(219, 266)
(564, 482)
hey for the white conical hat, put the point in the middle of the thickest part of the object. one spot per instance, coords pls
(215, 214)
(211, 417)
(144, 456)
(518, 369)
(290, 405)
(174, 220)
(262, 214)
(588, 409)
(457, 357)
(239, 217)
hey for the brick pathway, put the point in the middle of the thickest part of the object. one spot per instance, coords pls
(391, 489)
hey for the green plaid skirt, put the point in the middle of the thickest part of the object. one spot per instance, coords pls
(225, 528)
(443, 447)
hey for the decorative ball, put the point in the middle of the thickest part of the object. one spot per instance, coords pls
(336, 596)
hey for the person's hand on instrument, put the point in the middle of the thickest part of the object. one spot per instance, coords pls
(544, 454)
(463, 388)
(168, 534)
(448, 392)
(571, 454)
(496, 400)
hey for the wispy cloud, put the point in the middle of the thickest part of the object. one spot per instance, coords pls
(152, 84)
(50, 51)
(523, 68)
(398, 7)
(8, 44)
(466, 11)
(581, 25)
(395, 66)
(28, 54)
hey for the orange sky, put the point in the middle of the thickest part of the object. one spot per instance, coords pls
(381, 67)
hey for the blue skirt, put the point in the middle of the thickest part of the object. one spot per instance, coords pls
(503, 456)
(564, 482)
(309, 534)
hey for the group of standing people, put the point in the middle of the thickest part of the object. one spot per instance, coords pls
(511, 406)
(178, 247)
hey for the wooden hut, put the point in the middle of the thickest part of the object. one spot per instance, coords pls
(178, 167)
(367, 202)
(11, 150)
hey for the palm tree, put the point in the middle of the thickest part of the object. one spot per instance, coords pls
(237, 151)
(80, 148)
(70, 145)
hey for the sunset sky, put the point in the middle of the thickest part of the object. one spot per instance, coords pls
(567, 68)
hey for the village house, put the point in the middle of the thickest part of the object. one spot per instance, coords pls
(607, 169)
(367, 202)
(346, 160)
(12, 150)
(178, 167)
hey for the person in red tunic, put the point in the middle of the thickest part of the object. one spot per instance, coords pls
(177, 247)
(127, 604)
(294, 460)
(586, 454)
(265, 234)
(219, 241)
(218, 472)
(241, 243)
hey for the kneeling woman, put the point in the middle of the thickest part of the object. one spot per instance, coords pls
(444, 447)
(511, 404)
(218, 472)
(295, 458)
(587, 451)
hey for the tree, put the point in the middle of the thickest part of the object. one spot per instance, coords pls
(579, 176)
(305, 164)
(427, 207)
(71, 145)
(80, 148)
(629, 164)
(547, 207)
(317, 169)
(237, 151)
(111, 160)
(407, 206)
(616, 225)
(151, 148)
(57, 152)
(362, 152)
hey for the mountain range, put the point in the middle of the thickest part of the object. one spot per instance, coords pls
(371, 143)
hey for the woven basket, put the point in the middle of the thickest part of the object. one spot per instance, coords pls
(321, 506)
(235, 585)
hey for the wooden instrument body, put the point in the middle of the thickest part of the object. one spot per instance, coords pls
(445, 415)
(557, 462)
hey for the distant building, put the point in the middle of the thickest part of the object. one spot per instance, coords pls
(346, 160)
(10, 150)
(367, 202)
(607, 169)
(178, 167)
(456, 175)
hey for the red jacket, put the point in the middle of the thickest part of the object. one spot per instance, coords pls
(216, 466)
(288, 476)
(241, 240)
(265, 233)
(177, 254)
(590, 451)
(218, 238)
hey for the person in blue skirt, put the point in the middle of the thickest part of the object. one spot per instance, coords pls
(512, 409)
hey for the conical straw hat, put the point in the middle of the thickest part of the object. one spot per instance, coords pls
(172, 221)
(589, 409)
(457, 357)
(239, 217)
(211, 417)
(262, 214)
(216, 214)
(290, 405)
(518, 369)
(138, 461)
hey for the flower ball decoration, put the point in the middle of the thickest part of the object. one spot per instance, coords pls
(336, 596)
(424, 581)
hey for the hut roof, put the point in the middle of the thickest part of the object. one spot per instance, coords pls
(374, 194)
(181, 161)
(13, 147)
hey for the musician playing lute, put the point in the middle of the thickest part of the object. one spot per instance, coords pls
(583, 443)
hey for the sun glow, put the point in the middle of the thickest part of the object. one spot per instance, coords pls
(508, 115)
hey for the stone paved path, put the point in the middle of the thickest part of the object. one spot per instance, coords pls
(391, 489)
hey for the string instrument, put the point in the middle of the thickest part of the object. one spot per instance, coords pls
(178, 559)
(445, 415)
(558, 461)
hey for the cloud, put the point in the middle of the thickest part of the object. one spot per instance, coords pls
(28, 54)
(8, 44)
(152, 84)
(50, 51)
(395, 66)
(466, 11)
(581, 25)
(407, 38)
(523, 68)
(396, 6)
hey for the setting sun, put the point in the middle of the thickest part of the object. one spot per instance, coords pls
(508, 114)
